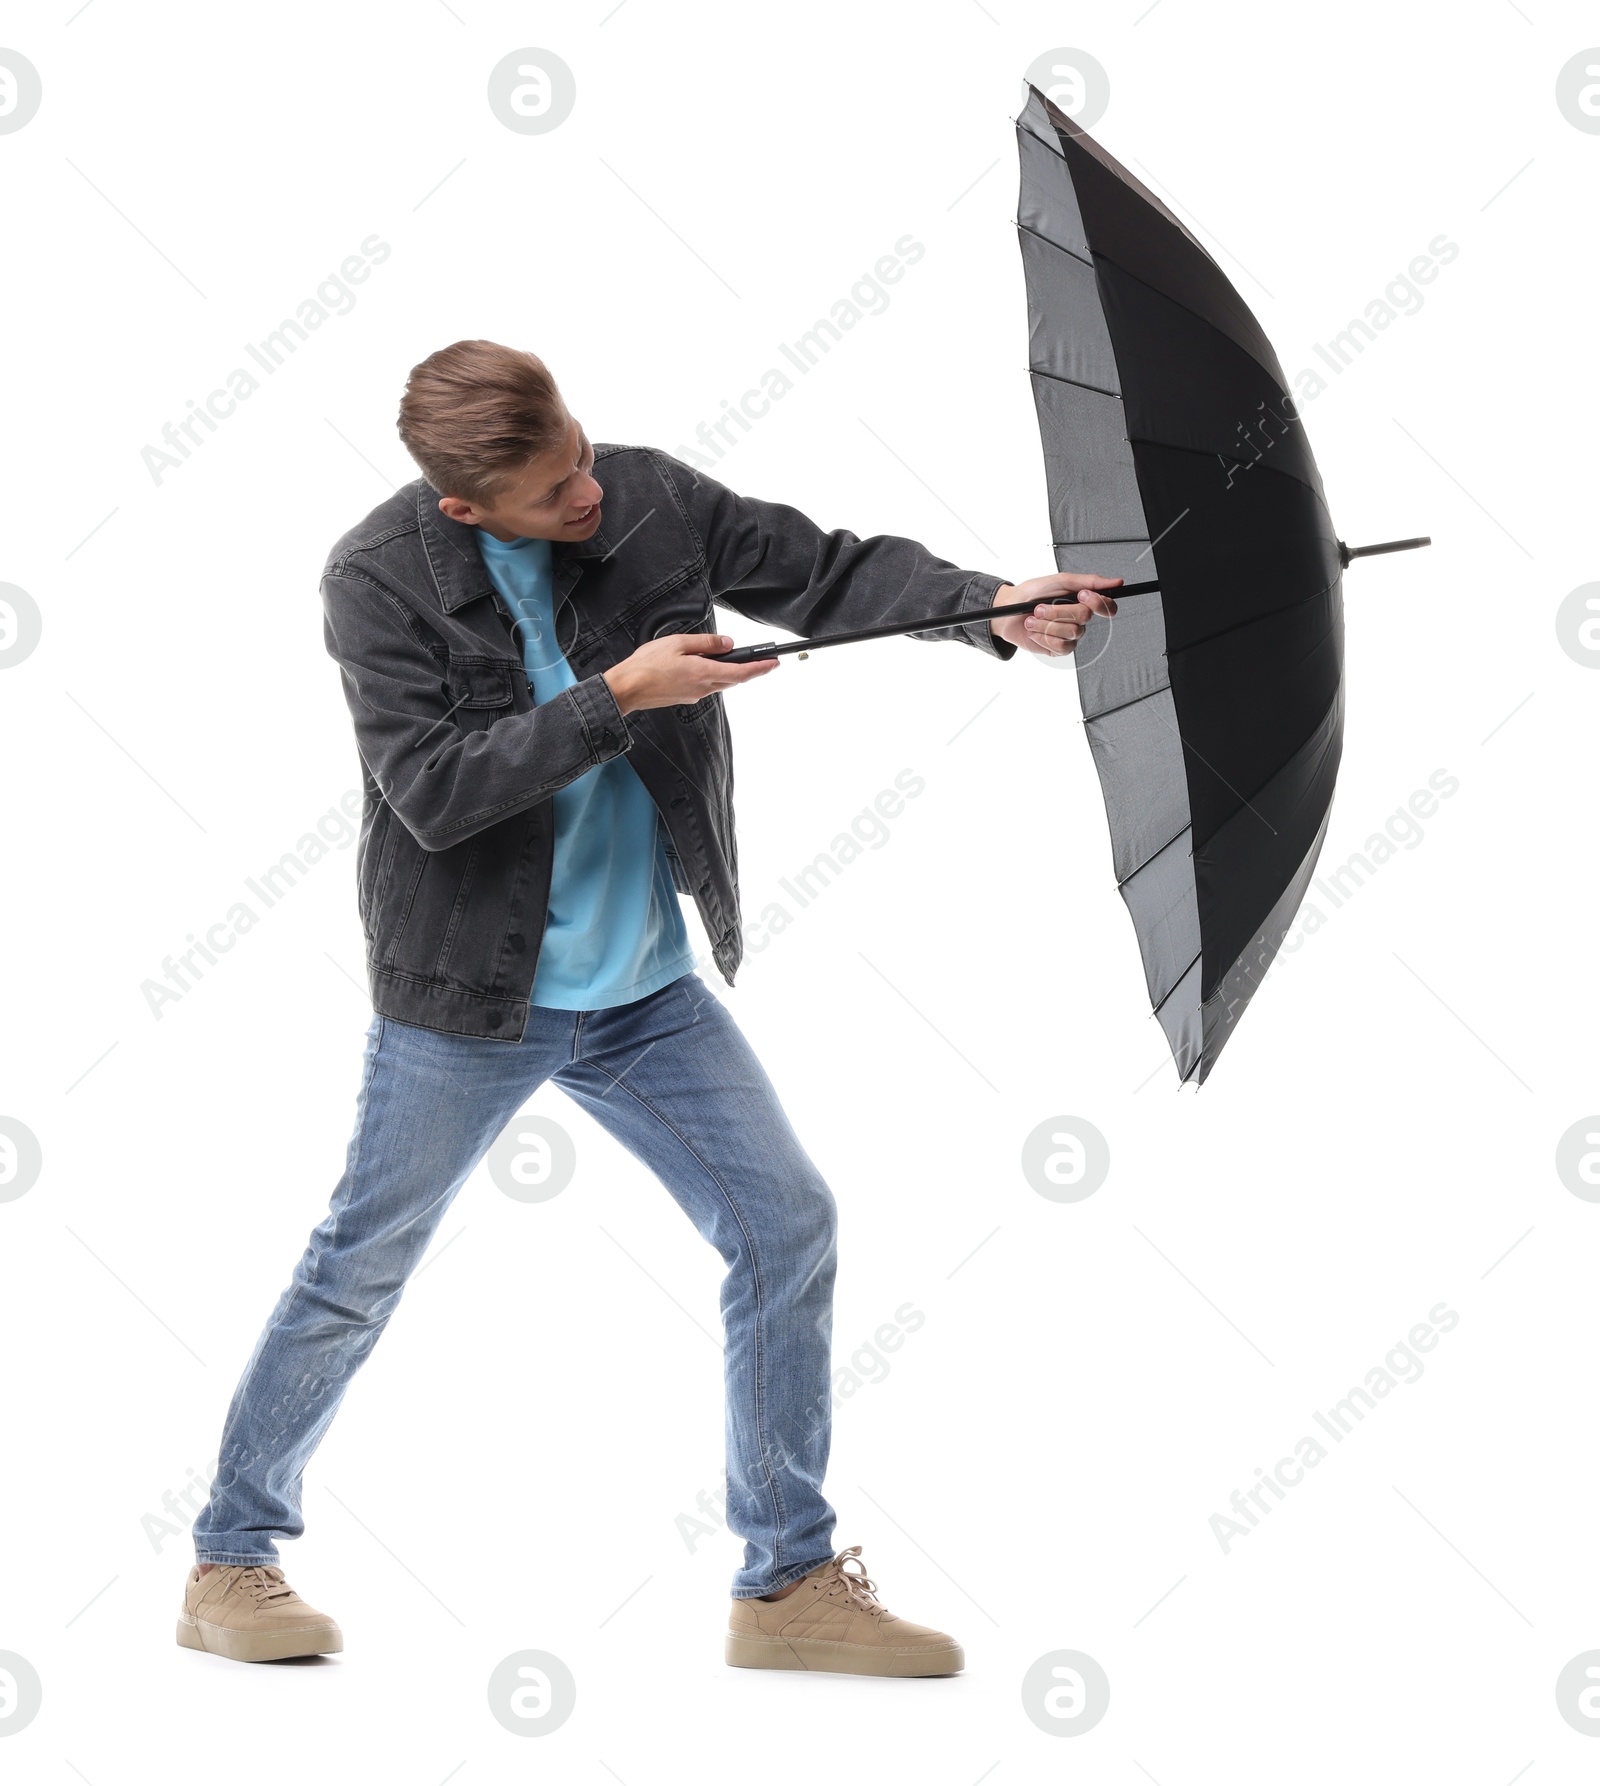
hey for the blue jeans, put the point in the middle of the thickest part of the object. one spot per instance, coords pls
(673, 1079)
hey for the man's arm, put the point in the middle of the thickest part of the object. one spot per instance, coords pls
(773, 564)
(446, 783)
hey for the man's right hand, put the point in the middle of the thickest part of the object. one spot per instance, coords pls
(674, 671)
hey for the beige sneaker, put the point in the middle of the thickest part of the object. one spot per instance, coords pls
(251, 1615)
(835, 1622)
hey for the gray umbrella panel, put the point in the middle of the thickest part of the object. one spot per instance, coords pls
(1156, 389)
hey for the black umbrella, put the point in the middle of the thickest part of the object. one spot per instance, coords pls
(1175, 459)
(1215, 703)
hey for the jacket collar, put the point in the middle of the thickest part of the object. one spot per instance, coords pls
(459, 573)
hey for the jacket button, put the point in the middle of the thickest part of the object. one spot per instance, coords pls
(514, 941)
(493, 1020)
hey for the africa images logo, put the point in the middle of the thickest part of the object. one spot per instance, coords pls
(1400, 1365)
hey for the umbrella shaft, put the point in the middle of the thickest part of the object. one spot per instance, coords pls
(746, 654)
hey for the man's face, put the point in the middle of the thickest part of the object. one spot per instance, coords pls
(553, 497)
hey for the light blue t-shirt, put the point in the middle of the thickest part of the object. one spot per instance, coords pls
(615, 930)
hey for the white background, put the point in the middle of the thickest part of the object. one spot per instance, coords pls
(1038, 1469)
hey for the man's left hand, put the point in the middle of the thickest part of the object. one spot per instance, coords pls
(1054, 628)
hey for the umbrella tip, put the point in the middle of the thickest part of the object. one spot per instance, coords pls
(1346, 553)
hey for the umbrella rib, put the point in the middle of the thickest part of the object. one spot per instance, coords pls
(1322, 720)
(1155, 1009)
(1142, 866)
(1106, 712)
(1078, 383)
(1243, 798)
(1273, 370)
(1150, 858)
(1252, 620)
(1083, 260)
(1173, 446)
(1109, 163)
(1089, 719)
(1023, 130)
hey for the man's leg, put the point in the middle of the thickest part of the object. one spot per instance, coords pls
(429, 1108)
(674, 1080)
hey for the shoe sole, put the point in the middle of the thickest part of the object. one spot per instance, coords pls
(258, 1646)
(813, 1655)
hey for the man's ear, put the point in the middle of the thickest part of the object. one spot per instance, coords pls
(455, 508)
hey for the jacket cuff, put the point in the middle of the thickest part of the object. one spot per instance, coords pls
(605, 727)
(979, 593)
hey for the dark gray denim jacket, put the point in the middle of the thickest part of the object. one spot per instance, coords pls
(457, 822)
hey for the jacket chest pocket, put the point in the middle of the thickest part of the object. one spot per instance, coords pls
(481, 690)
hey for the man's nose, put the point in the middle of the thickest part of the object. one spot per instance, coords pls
(593, 495)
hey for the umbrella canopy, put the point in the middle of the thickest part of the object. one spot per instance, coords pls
(1214, 702)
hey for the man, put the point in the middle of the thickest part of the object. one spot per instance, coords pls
(528, 656)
